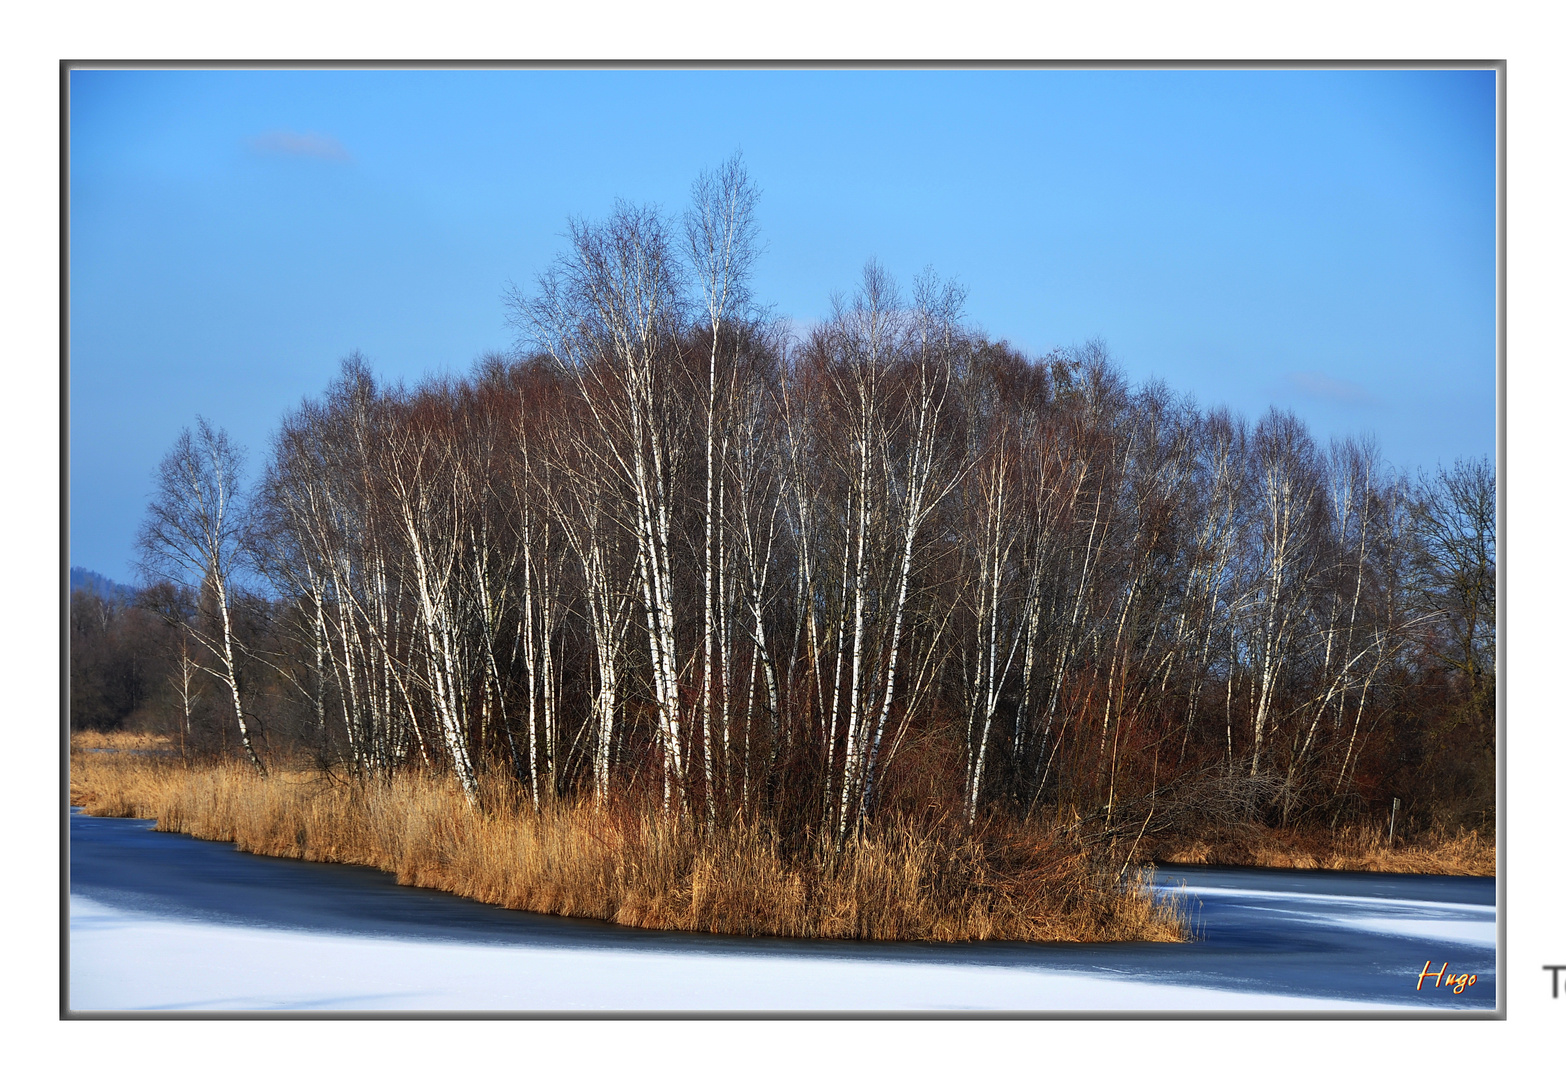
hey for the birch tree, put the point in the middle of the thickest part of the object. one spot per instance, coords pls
(720, 234)
(1289, 514)
(607, 314)
(193, 535)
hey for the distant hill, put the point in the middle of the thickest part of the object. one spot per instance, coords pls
(83, 578)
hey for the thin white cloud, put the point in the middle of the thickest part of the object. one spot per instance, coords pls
(1326, 388)
(295, 144)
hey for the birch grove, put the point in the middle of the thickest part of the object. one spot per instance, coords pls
(668, 548)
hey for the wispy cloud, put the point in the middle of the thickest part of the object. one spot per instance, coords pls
(294, 144)
(1326, 388)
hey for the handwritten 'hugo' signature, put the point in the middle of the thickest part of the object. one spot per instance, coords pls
(1458, 983)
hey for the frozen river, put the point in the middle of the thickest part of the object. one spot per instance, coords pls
(160, 921)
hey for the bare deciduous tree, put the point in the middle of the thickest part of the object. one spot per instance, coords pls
(194, 535)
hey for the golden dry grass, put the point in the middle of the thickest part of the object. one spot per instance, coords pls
(1466, 853)
(120, 740)
(634, 868)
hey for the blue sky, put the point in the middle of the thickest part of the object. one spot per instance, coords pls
(1322, 241)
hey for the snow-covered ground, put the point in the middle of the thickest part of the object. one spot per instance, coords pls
(123, 959)
(160, 921)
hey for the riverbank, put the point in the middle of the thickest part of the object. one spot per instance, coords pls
(1464, 853)
(625, 864)
(162, 921)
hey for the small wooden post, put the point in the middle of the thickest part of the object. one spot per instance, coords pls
(1392, 825)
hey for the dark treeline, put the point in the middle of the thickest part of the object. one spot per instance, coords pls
(890, 567)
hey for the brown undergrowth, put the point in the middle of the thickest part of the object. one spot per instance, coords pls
(632, 867)
(1464, 853)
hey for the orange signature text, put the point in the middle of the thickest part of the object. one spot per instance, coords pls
(1458, 983)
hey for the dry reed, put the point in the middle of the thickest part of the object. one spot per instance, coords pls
(120, 740)
(1364, 848)
(630, 866)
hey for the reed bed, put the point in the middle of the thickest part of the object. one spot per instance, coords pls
(1464, 853)
(122, 740)
(627, 864)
